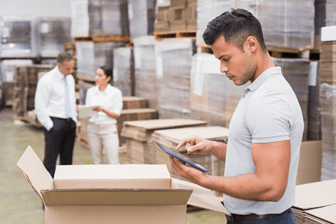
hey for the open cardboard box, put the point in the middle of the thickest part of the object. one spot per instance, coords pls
(113, 193)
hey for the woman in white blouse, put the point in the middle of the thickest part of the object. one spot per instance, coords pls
(102, 129)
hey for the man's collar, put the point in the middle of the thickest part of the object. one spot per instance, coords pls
(262, 77)
(59, 74)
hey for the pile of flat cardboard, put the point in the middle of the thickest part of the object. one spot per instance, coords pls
(140, 148)
(171, 137)
(315, 203)
(328, 55)
(126, 194)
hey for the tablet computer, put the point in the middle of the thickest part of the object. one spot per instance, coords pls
(86, 111)
(182, 157)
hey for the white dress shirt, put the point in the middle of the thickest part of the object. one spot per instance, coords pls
(50, 97)
(110, 99)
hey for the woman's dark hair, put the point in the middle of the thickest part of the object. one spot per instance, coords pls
(236, 26)
(107, 71)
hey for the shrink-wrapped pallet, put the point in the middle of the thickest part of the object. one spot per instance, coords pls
(145, 70)
(123, 70)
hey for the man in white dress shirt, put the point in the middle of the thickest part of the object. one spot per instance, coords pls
(55, 106)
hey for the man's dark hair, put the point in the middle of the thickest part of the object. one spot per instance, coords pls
(64, 56)
(107, 71)
(236, 26)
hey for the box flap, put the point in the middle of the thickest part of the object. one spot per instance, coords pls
(116, 196)
(122, 171)
(326, 213)
(34, 171)
(200, 197)
(314, 195)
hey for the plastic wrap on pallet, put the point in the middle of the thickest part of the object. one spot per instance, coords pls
(99, 18)
(8, 68)
(173, 60)
(141, 16)
(123, 70)
(314, 105)
(145, 70)
(92, 55)
(328, 117)
(296, 72)
(213, 96)
(16, 36)
(50, 34)
(284, 23)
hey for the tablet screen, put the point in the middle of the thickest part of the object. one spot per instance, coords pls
(182, 157)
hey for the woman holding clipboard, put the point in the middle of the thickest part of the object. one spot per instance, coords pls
(102, 129)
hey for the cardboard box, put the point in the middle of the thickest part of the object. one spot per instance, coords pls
(113, 193)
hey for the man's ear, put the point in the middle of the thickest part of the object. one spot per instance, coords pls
(251, 44)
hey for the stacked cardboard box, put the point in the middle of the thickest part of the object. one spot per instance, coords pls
(49, 34)
(25, 87)
(179, 15)
(328, 62)
(173, 60)
(92, 55)
(314, 105)
(213, 96)
(99, 18)
(296, 72)
(145, 70)
(141, 16)
(16, 37)
(315, 202)
(140, 148)
(285, 23)
(123, 70)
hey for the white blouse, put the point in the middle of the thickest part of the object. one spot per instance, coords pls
(110, 99)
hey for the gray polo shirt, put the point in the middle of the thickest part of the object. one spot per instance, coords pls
(267, 112)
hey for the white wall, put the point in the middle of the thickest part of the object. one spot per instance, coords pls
(42, 8)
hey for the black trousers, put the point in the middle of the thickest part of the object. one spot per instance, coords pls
(59, 140)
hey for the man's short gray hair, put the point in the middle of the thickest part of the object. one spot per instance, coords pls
(64, 56)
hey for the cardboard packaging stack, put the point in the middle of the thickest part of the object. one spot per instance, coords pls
(173, 61)
(8, 76)
(315, 203)
(92, 55)
(141, 16)
(140, 148)
(296, 72)
(314, 105)
(16, 36)
(126, 194)
(179, 15)
(284, 23)
(99, 18)
(50, 34)
(25, 87)
(145, 70)
(328, 101)
(123, 70)
(171, 137)
(213, 96)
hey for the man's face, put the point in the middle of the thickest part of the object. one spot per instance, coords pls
(67, 67)
(237, 64)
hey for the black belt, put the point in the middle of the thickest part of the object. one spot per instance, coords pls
(64, 119)
(251, 217)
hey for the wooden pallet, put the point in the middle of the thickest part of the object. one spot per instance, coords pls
(290, 52)
(204, 49)
(104, 39)
(175, 34)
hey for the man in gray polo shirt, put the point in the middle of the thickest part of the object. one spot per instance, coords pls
(262, 154)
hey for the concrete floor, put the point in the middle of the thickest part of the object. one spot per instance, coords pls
(19, 204)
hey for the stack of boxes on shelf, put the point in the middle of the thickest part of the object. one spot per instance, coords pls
(178, 16)
(328, 101)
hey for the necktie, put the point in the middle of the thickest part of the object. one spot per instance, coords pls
(67, 98)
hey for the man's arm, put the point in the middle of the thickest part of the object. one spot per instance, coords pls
(41, 103)
(268, 183)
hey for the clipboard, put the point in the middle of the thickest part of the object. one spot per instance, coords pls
(87, 111)
(182, 157)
